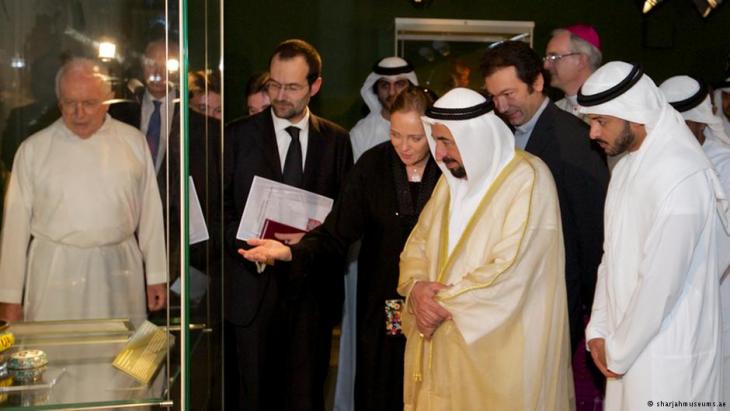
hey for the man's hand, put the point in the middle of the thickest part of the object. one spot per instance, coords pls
(290, 238)
(266, 251)
(156, 296)
(429, 313)
(11, 312)
(597, 346)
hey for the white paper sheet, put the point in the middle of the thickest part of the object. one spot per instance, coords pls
(285, 204)
(198, 228)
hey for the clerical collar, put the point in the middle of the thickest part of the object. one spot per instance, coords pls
(692, 101)
(613, 92)
(392, 71)
(573, 100)
(466, 113)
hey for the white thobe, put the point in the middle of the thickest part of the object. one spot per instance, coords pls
(370, 131)
(717, 102)
(91, 211)
(657, 295)
(719, 154)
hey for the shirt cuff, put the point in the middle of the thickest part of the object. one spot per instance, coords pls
(593, 333)
(11, 296)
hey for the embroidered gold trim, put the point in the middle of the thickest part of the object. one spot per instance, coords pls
(519, 157)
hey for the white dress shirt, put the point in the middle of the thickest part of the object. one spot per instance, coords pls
(167, 110)
(283, 138)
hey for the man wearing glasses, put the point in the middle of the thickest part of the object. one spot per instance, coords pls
(281, 320)
(513, 77)
(83, 226)
(572, 55)
(153, 107)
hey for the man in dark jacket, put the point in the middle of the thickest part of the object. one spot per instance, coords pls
(282, 318)
(513, 77)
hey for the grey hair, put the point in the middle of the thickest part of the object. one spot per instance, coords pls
(87, 66)
(578, 45)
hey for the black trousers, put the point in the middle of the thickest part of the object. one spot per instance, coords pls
(280, 360)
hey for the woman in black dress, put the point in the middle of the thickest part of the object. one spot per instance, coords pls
(380, 203)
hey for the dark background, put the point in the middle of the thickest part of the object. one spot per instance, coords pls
(351, 35)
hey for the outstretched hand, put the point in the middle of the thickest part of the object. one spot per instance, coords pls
(266, 251)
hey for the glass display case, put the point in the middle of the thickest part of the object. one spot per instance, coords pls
(444, 50)
(115, 271)
(80, 371)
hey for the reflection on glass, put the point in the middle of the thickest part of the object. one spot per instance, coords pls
(442, 65)
(443, 50)
(87, 203)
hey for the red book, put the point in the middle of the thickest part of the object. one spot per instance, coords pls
(271, 227)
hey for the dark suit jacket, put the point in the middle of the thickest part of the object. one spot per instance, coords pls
(251, 150)
(22, 123)
(130, 112)
(581, 176)
(204, 166)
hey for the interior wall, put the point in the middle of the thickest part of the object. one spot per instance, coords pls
(351, 35)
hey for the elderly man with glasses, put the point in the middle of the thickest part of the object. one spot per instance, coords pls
(572, 54)
(83, 234)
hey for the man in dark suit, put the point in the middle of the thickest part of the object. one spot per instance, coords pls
(513, 76)
(282, 319)
(152, 109)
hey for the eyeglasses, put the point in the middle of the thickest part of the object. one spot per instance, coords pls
(275, 87)
(554, 58)
(85, 105)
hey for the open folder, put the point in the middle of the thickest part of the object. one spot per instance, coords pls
(273, 207)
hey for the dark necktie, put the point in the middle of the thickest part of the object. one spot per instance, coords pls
(153, 130)
(293, 170)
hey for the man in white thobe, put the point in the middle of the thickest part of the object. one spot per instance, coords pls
(690, 97)
(721, 101)
(83, 218)
(655, 329)
(389, 77)
(483, 272)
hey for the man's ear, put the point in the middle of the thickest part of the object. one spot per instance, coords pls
(314, 88)
(638, 129)
(539, 83)
(583, 61)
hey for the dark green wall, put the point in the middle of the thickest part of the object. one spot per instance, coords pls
(203, 34)
(352, 34)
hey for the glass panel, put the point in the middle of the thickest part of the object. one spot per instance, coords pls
(444, 50)
(204, 141)
(87, 230)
